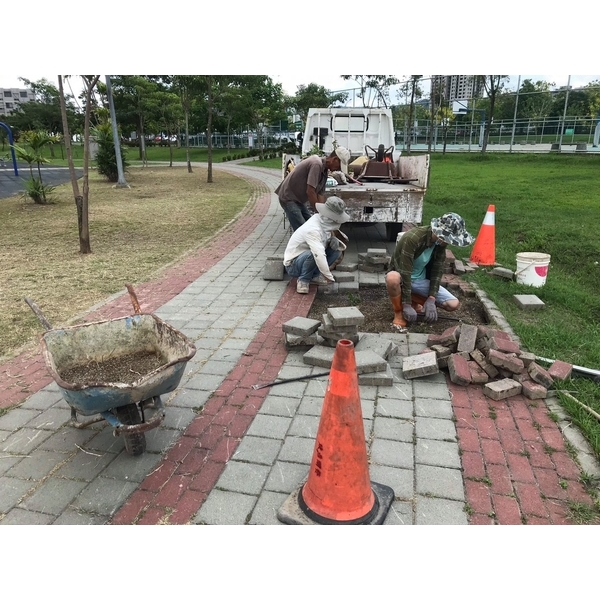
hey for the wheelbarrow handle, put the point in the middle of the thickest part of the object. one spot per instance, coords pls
(38, 313)
(134, 300)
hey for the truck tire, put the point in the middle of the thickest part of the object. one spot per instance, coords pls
(392, 230)
(135, 443)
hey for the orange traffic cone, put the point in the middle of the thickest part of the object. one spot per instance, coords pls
(338, 489)
(484, 250)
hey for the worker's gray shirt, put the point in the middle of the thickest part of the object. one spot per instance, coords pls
(310, 171)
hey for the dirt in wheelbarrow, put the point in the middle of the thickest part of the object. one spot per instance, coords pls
(374, 304)
(121, 369)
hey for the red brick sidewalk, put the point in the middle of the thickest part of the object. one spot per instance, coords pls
(515, 464)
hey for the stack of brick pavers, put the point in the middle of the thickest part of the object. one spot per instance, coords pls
(342, 323)
(374, 260)
(478, 354)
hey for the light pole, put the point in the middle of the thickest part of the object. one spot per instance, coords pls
(512, 137)
(113, 120)
(562, 129)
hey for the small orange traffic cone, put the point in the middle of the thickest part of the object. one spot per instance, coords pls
(484, 250)
(338, 489)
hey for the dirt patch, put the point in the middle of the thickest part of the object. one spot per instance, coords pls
(122, 369)
(374, 304)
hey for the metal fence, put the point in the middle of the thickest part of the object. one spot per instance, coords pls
(244, 140)
(545, 130)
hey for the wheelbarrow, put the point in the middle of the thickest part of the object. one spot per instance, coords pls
(85, 349)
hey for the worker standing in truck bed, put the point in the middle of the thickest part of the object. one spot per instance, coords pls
(303, 188)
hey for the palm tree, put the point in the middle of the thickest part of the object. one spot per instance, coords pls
(37, 141)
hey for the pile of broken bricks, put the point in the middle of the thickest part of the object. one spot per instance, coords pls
(341, 323)
(478, 354)
(472, 354)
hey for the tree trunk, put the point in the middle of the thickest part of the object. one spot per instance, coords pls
(488, 124)
(139, 137)
(84, 228)
(410, 117)
(259, 140)
(228, 137)
(67, 138)
(209, 178)
(143, 142)
(187, 142)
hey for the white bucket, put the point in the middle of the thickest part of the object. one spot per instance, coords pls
(532, 268)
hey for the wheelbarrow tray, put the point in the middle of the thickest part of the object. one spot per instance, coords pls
(79, 345)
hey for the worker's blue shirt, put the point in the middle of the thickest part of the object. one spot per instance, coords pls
(420, 264)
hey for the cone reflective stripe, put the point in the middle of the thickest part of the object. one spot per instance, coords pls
(484, 249)
(338, 488)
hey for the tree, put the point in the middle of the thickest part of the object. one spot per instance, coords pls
(535, 99)
(81, 201)
(137, 102)
(228, 106)
(411, 90)
(170, 120)
(36, 142)
(592, 92)
(493, 85)
(43, 113)
(186, 86)
(374, 89)
(67, 138)
(263, 102)
(314, 96)
(441, 113)
(106, 157)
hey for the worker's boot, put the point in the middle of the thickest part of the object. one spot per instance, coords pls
(399, 320)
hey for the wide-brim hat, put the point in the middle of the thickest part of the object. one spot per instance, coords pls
(344, 155)
(450, 228)
(334, 209)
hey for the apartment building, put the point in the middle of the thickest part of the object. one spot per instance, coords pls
(457, 87)
(11, 98)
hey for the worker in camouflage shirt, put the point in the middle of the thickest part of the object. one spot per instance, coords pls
(413, 281)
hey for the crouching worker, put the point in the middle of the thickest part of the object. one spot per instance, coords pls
(413, 282)
(313, 248)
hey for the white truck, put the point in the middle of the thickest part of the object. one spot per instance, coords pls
(384, 186)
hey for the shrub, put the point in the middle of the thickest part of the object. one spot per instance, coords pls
(39, 192)
(106, 159)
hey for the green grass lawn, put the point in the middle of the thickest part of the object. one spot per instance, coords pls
(544, 203)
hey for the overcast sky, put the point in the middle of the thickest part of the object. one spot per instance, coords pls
(302, 42)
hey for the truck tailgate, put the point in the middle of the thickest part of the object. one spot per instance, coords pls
(381, 202)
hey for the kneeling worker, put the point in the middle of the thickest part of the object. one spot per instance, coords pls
(313, 248)
(417, 267)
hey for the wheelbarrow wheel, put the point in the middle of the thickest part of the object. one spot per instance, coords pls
(135, 443)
